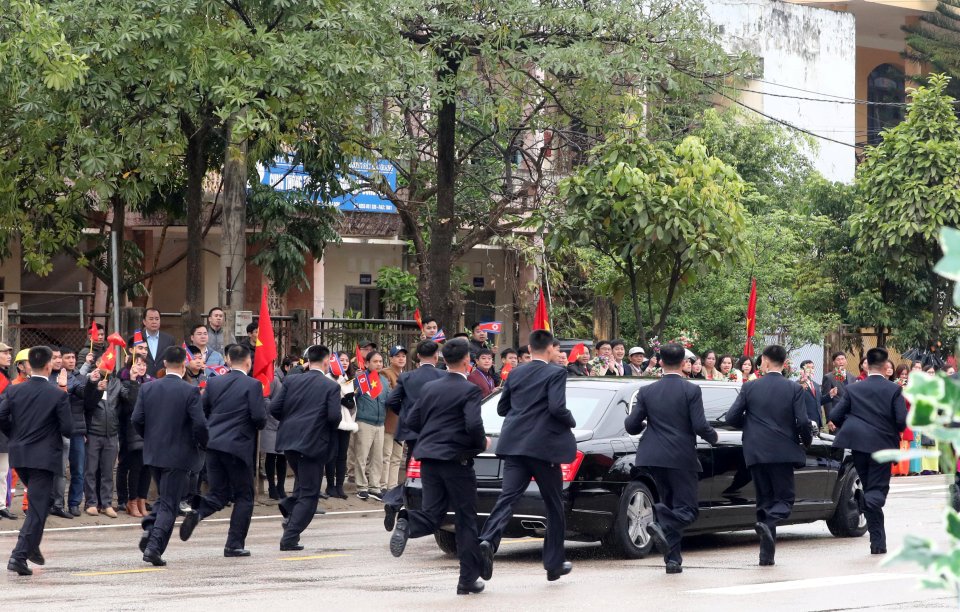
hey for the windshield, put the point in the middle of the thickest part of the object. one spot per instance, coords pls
(587, 405)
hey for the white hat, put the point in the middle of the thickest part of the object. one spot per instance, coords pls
(636, 350)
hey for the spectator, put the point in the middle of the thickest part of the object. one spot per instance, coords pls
(103, 425)
(58, 378)
(392, 451)
(200, 338)
(87, 358)
(6, 358)
(580, 366)
(274, 463)
(253, 330)
(508, 356)
(523, 354)
(561, 359)
(482, 374)
(133, 478)
(77, 454)
(478, 341)
(218, 336)
(430, 328)
(23, 367)
(368, 449)
(336, 469)
(636, 356)
(157, 341)
(619, 350)
(603, 364)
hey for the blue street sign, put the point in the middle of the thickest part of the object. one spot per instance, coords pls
(284, 176)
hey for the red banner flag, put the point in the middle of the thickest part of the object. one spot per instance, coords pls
(361, 362)
(576, 351)
(491, 327)
(116, 339)
(363, 385)
(505, 371)
(266, 354)
(375, 385)
(418, 318)
(336, 368)
(94, 331)
(751, 318)
(542, 319)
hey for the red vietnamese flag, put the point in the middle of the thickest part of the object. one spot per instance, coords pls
(266, 354)
(576, 351)
(361, 362)
(542, 319)
(418, 318)
(505, 370)
(94, 331)
(375, 385)
(751, 318)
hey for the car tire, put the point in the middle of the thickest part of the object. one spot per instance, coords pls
(446, 540)
(847, 520)
(628, 538)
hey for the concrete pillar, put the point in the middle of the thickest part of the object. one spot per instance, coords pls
(319, 288)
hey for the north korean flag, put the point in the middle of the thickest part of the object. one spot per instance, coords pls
(336, 368)
(363, 384)
(491, 327)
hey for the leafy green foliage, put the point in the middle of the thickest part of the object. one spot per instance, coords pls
(399, 289)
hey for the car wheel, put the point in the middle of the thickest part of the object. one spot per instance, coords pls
(848, 521)
(446, 540)
(628, 537)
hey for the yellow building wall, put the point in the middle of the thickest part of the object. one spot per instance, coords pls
(867, 60)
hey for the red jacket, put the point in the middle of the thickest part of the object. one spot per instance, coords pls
(485, 382)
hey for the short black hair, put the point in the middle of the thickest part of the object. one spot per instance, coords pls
(703, 357)
(147, 311)
(237, 353)
(601, 343)
(194, 328)
(463, 335)
(252, 326)
(474, 326)
(226, 349)
(55, 349)
(743, 359)
(370, 355)
(210, 312)
(672, 354)
(316, 353)
(805, 362)
(427, 348)
(835, 354)
(523, 350)
(39, 357)
(775, 354)
(507, 351)
(484, 351)
(455, 351)
(66, 350)
(174, 355)
(615, 343)
(540, 340)
(426, 320)
(877, 356)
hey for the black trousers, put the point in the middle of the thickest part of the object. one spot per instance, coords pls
(336, 468)
(775, 495)
(229, 474)
(40, 484)
(876, 484)
(172, 486)
(275, 466)
(678, 507)
(133, 479)
(517, 472)
(302, 504)
(450, 485)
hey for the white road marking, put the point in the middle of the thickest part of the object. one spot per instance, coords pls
(809, 583)
(918, 489)
(217, 520)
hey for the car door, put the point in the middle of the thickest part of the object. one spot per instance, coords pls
(733, 495)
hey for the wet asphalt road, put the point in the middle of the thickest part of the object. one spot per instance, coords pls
(347, 566)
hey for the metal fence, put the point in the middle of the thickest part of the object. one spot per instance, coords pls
(347, 334)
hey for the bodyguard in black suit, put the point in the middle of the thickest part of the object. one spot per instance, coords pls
(235, 411)
(673, 411)
(534, 440)
(451, 434)
(773, 417)
(832, 389)
(870, 417)
(36, 417)
(169, 418)
(308, 408)
(402, 399)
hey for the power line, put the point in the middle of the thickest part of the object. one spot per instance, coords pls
(826, 100)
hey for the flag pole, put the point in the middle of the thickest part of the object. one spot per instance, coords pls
(546, 280)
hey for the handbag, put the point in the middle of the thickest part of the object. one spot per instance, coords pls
(347, 422)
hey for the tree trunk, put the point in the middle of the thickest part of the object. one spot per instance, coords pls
(233, 250)
(196, 170)
(635, 295)
(603, 320)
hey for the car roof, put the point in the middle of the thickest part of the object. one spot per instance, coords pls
(607, 382)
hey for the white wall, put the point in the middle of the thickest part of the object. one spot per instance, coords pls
(802, 47)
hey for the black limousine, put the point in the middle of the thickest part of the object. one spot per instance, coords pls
(608, 499)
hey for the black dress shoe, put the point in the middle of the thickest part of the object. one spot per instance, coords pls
(20, 567)
(390, 517)
(878, 550)
(472, 588)
(153, 557)
(61, 513)
(288, 547)
(768, 544)
(563, 570)
(144, 540)
(323, 495)
(486, 560)
(766, 562)
(36, 557)
(674, 568)
(5, 513)
(340, 492)
(75, 510)
(188, 525)
(659, 538)
(236, 552)
(398, 541)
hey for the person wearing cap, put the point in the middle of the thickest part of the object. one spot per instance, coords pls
(635, 357)
(23, 367)
(6, 358)
(392, 450)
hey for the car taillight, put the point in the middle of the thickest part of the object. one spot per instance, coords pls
(413, 469)
(569, 470)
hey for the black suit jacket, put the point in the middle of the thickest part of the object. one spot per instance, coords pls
(405, 395)
(673, 410)
(164, 342)
(829, 382)
(773, 417)
(537, 423)
(812, 402)
(870, 415)
(35, 416)
(308, 408)
(236, 411)
(169, 418)
(447, 419)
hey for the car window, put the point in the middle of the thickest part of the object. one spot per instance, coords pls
(586, 405)
(717, 400)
